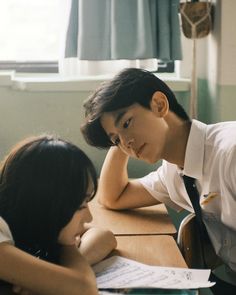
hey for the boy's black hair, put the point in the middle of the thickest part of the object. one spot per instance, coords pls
(128, 87)
(43, 182)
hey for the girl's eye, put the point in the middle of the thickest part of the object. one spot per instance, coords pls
(126, 124)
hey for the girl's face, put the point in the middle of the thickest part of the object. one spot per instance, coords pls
(70, 234)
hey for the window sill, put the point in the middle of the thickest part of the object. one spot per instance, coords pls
(54, 82)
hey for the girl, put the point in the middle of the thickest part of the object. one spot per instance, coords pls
(45, 185)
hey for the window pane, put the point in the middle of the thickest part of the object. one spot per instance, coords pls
(31, 29)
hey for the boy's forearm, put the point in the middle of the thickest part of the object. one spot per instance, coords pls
(113, 177)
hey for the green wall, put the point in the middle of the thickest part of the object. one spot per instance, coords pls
(216, 104)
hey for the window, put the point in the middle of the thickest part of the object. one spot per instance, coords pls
(31, 35)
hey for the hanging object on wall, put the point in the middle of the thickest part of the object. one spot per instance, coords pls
(196, 23)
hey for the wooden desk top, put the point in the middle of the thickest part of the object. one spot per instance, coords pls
(143, 221)
(159, 250)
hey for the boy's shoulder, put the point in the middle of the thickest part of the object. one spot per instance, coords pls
(222, 135)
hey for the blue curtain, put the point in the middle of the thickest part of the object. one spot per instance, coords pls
(123, 29)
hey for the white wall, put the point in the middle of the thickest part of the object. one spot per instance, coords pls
(216, 64)
(227, 69)
(30, 113)
(216, 53)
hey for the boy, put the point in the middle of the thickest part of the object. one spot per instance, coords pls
(137, 115)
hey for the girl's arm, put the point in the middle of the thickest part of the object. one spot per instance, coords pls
(96, 244)
(115, 189)
(22, 269)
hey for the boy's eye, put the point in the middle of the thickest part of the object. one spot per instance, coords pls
(126, 124)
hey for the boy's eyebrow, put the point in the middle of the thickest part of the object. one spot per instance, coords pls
(119, 116)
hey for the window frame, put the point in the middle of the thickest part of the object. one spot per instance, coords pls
(53, 66)
(30, 66)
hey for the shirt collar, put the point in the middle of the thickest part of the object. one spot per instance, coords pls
(194, 155)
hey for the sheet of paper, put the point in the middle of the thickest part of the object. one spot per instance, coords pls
(120, 272)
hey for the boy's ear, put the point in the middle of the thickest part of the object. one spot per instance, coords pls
(159, 104)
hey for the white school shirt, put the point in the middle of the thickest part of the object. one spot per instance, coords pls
(5, 233)
(211, 159)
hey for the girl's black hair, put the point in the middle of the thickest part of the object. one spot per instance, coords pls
(128, 87)
(43, 181)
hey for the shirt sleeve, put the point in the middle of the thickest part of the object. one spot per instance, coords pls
(154, 183)
(228, 206)
(228, 176)
(5, 233)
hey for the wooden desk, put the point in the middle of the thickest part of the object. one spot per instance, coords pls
(143, 221)
(159, 250)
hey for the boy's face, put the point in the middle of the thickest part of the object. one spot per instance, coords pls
(139, 132)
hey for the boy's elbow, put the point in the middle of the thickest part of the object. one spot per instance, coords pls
(108, 203)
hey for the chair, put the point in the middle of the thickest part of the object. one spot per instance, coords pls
(189, 243)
